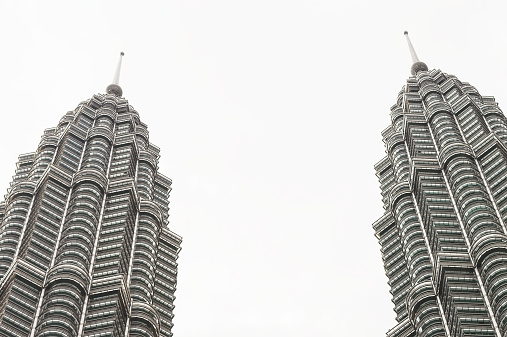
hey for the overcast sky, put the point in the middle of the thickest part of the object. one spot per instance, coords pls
(268, 114)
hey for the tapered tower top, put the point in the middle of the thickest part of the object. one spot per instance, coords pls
(115, 88)
(418, 65)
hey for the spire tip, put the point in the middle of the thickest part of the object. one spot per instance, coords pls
(417, 65)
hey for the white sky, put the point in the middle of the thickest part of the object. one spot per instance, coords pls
(268, 114)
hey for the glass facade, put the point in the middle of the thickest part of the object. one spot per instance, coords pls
(443, 234)
(85, 248)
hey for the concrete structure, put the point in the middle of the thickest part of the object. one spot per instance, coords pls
(84, 245)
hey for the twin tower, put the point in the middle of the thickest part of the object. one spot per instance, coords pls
(444, 187)
(84, 245)
(85, 249)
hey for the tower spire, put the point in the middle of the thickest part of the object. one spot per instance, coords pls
(116, 79)
(115, 88)
(417, 65)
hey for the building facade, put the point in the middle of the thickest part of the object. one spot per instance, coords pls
(443, 234)
(84, 245)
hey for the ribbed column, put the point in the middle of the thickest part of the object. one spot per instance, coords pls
(496, 120)
(98, 148)
(19, 201)
(421, 297)
(412, 239)
(169, 245)
(68, 280)
(143, 271)
(399, 157)
(61, 308)
(145, 175)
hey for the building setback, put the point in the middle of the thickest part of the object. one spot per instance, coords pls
(84, 245)
(443, 234)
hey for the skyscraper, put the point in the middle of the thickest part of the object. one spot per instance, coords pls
(443, 234)
(84, 245)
